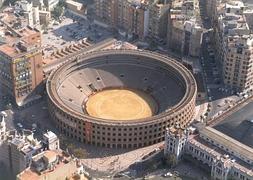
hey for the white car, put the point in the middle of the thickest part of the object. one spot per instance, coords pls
(19, 125)
(168, 174)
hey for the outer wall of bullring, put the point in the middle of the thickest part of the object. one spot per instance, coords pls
(122, 134)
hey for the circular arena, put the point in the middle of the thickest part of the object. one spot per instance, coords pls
(120, 98)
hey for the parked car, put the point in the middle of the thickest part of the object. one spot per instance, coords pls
(168, 174)
(19, 125)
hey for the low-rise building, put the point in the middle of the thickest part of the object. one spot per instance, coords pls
(17, 150)
(130, 17)
(53, 165)
(60, 56)
(76, 8)
(51, 141)
(45, 17)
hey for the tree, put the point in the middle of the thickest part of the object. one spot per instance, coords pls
(59, 9)
(80, 153)
(153, 45)
(57, 12)
(171, 160)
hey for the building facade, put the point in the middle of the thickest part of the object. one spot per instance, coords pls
(234, 44)
(130, 17)
(17, 150)
(21, 64)
(158, 21)
(225, 157)
(184, 34)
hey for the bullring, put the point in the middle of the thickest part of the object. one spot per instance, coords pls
(165, 85)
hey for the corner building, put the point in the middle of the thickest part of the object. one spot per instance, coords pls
(21, 64)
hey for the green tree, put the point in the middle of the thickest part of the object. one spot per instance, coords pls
(59, 9)
(80, 153)
(57, 12)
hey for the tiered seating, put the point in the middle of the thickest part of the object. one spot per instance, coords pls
(99, 75)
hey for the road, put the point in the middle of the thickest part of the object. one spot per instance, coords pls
(217, 93)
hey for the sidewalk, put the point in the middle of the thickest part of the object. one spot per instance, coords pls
(119, 162)
(200, 110)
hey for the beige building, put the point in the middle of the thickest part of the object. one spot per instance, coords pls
(76, 8)
(21, 64)
(184, 33)
(17, 151)
(234, 44)
(45, 17)
(128, 16)
(30, 12)
(158, 21)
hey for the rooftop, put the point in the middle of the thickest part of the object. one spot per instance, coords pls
(227, 141)
(49, 164)
(50, 135)
(238, 125)
(220, 154)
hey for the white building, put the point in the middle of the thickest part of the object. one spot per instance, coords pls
(30, 12)
(17, 150)
(51, 141)
(184, 33)
(226, 157)
(174, 148)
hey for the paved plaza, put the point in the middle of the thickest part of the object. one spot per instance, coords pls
(107, 160)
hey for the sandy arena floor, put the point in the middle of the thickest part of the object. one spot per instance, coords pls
(121, 104)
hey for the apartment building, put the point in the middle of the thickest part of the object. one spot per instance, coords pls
(184, 34)
(106, 12)
(17, 150)
(128, 16)
(234, 44)
(20, 62)
(138, 20)
(225, 157)
(158, 21)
